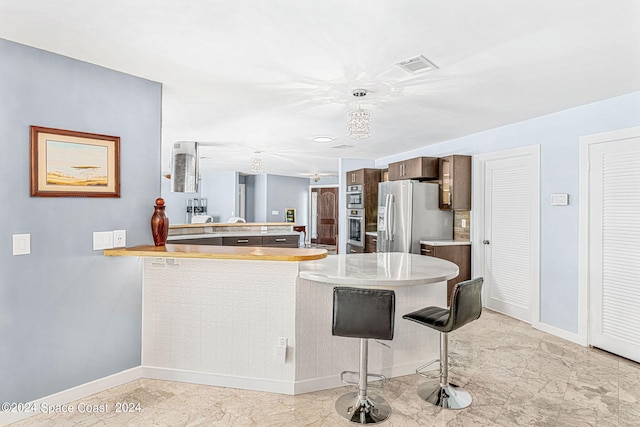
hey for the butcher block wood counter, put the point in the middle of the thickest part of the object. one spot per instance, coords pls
(220, 252)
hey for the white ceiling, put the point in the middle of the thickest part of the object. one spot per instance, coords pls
(268, 75)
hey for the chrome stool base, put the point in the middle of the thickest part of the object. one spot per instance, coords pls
(363, 409)
(448, 396)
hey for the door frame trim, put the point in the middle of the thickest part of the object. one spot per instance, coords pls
(477, 254)
(584, 224)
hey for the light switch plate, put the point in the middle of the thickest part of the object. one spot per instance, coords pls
(102, 240)
(21, 244)
(559, 199)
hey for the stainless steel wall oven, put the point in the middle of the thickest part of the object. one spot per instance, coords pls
(355, 222)
(355, 198)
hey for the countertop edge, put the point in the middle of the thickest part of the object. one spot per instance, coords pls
(254, 253)
(445, 242)
(373, 282)
(232, 224)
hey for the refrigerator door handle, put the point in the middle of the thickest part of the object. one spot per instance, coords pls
(385, 222)
(391, 215)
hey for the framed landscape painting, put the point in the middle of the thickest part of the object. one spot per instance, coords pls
(66, 163)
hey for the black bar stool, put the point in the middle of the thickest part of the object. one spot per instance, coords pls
(466, 306)
(365, 314)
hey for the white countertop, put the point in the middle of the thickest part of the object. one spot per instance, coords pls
(378, 269)
(445, 242)
(371, 233)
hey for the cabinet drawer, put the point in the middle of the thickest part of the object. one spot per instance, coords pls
(242, 241)
(427, 250)
(198, 241)
(288, 241)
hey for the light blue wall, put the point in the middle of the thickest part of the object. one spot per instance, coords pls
(68, 314)
(287, 192)
(558, 136)
(220, 189)
(267, 193)
(250, 198)
(259, 189)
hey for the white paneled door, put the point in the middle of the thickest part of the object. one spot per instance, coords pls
(507, 240)
(614, 245)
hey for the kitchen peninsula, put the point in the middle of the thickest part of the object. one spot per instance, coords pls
(260, 318)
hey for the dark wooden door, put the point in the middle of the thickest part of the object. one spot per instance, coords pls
(327, 216)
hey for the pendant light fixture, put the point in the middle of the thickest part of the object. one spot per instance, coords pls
(257, 166)
(358, 119)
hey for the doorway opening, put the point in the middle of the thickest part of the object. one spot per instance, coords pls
(324, 221)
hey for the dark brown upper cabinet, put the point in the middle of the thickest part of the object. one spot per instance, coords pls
(455, 183)
(417, 168)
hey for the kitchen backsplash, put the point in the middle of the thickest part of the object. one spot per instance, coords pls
(460, 232)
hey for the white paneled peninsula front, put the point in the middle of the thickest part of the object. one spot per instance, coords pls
(218, 315)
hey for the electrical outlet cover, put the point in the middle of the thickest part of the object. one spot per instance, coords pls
(119, 238)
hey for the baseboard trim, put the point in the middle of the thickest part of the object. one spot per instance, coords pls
(218, 380)
(72, 394)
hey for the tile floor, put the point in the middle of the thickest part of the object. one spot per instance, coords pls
(331, 250)
(518, 376)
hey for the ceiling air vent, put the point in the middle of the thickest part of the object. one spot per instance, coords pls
(342, 147)
(418, 64)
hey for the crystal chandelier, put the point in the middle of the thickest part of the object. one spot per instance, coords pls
(257, 166)
(358, 119)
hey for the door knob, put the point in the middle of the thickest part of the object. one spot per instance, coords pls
(485, 242)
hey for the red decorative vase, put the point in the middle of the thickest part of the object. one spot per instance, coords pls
(159, 224)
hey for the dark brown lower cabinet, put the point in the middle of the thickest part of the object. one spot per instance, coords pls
(280, 241)
(457, 254)
(199, 241)
(288, 241)
(371, 243)
(242, 241)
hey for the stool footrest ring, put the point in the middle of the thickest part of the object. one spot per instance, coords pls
(434, 374)
(380, 380)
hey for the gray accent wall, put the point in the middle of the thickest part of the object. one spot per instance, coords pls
(558, 135)
(68, 314)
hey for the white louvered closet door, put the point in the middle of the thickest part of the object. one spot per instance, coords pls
(614, 246)
(508, 223)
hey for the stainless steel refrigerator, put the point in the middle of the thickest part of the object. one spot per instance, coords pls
(408, 211)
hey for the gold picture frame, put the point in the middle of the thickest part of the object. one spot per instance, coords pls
(67, 163)
(290, 215)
